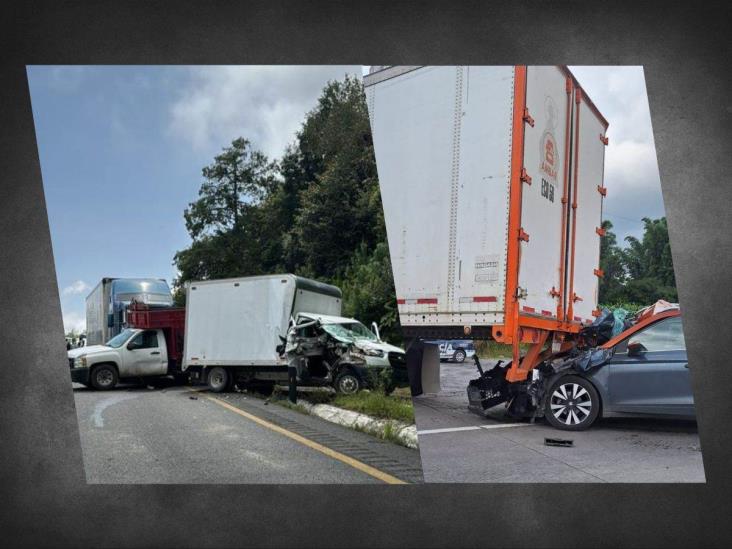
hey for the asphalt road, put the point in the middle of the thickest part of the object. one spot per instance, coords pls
(459, 446)
(136, 435)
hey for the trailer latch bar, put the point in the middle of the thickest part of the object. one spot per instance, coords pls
(525, 177)
(527, 117)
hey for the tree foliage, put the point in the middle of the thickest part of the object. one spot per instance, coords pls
(641, 273)
(316, 212)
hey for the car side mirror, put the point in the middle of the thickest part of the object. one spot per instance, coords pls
(375, 329)
(635, 348)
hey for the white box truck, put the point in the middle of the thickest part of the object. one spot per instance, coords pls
(506, 164)
(235, 330)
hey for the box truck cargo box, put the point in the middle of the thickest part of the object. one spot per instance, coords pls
(239, 321)
(492, 185)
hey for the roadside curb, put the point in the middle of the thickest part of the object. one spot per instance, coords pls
(404, 433)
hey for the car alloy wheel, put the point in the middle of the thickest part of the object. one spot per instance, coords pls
(571, 404)
(459, 356)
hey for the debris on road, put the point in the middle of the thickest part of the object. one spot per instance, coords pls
(564, 442)
(193, 397)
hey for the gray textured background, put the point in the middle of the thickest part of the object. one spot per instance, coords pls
(685, 50)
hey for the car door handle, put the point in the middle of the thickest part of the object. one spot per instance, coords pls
(686, 365)
(155, 353)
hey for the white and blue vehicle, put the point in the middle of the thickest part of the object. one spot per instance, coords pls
(455, 350)
(107, 303)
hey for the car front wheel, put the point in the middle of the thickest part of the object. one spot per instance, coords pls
(103, 377)
(459, 356)
(572, 404)
(347, 383)
(218, 380)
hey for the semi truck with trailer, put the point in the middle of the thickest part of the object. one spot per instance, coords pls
(507, 163)
(231, 333)
(107, 303)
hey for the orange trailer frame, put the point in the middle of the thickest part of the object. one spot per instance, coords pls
(519, 328)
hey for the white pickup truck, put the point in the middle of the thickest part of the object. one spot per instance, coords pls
(131, 353)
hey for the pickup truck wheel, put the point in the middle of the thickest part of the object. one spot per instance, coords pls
(218, 380)
(103, 377)
(572, 404)
(459, 356)
(347, 383)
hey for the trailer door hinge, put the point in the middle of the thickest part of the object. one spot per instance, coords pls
(602, 190)
(554, 293)
(605, 140)
(576, 298)
(600, 231)
(523, 235)
(521, 293)
(527, 117)
(596, 312)
(525, 177)
(599, 272)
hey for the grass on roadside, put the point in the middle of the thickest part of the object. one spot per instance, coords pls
(493, 349)
(376, 404)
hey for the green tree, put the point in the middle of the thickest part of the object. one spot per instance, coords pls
(641, 273)
(227, 223)
(339, 204)
(368, 290)
(612, 265)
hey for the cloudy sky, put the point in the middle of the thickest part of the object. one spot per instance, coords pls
(118, 141)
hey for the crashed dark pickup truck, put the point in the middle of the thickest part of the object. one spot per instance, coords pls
(631, 368)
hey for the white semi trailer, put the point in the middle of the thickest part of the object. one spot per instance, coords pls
(506, 163)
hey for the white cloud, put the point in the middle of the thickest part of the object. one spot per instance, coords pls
(74, 321)
(75, 288)
(265, 104)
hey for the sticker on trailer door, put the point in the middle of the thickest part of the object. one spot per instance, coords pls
(549, 153)
(486, 268)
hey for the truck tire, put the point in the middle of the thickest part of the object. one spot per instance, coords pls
(218, 380)
(347, 383)
(459, 356)
(572, 404)
(103, 377)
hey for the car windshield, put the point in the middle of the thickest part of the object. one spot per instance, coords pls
(119, 340)
(349, 330)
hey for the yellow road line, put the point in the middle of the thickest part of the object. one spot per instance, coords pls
(372, 471)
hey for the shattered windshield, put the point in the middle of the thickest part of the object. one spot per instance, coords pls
(118, 340)
(350, 331)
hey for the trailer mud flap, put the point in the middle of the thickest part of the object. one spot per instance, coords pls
(423, 367)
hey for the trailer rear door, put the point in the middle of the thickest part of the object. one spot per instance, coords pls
(545, 145)
(588, 195)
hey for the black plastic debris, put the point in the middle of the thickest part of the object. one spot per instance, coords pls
(563, 442)
(193, 397)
